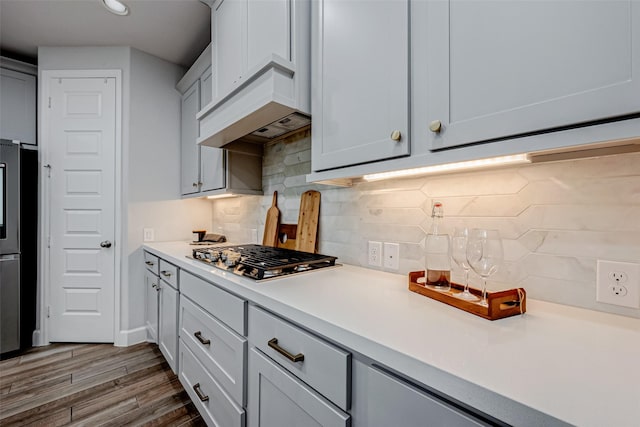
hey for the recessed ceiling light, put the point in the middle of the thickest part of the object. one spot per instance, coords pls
(114, 6)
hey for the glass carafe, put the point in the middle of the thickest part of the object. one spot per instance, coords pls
(438, 261)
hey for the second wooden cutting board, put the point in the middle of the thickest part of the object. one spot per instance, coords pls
(307, 233)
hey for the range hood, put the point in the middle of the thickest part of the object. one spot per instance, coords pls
(273, 103)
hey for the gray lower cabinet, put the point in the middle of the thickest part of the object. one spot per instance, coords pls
(213, 350)
(295, 377)
(168, 323)
(216, 407)
(378, 398)
(151, 305)
(277, 398)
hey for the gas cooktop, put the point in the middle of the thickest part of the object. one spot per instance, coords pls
(261, 262)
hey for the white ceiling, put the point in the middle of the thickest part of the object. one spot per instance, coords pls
(174, 30)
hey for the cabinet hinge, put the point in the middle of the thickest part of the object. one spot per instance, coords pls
(48, 311)
(49, 102)
(48, 241)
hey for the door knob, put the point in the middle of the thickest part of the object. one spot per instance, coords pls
(105, 244)
(396, 135)
(435, 126)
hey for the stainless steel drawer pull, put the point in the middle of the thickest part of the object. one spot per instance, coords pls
(203, 341)
(149, 263)
(166, 273)
(201, 396)
(273, 343)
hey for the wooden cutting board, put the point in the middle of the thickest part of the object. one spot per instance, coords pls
(307, 233)
(270, 236)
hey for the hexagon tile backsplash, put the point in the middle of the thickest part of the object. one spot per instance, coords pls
(556, 219)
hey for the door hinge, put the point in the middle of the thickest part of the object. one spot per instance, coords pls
(48, 166)
(48, 311)
(49, 102)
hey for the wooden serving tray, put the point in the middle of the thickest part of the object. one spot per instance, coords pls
(502, 304)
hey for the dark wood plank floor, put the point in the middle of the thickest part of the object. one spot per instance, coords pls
(93, 385)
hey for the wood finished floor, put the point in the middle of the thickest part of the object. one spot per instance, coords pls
(93, 385)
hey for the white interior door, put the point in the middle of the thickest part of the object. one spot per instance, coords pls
(82, 145)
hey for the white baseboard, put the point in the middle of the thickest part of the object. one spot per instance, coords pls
(131, 337)
(36, 339)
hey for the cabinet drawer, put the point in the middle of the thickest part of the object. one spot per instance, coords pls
(220, 350)
(169, 273)
(277, 398)
(324, 367)
(152, 263)
(215, 406)
(228, 308)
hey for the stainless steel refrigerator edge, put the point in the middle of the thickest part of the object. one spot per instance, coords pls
(9, 247)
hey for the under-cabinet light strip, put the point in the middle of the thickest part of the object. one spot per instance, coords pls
(449, 167)
(222, 196)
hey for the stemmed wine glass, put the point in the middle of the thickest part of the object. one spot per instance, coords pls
(459, 254)
(484, 254)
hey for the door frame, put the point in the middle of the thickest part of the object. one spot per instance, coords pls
(41, 335)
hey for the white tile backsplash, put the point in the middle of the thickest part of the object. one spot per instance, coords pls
(556, 219)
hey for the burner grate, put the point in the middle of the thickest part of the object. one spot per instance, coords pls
(261, 262)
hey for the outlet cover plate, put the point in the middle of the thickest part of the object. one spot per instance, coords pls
(148, 235)
(608, 288)
(375, 254)
(392, 256)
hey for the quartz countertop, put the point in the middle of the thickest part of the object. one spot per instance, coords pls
(575, 365)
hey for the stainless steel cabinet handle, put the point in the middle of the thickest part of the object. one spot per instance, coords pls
(435, 126)
(105, 244)
(149, 263)
(201, 396)
(273, 343)
(166, 273)
(203, 341)
(396, 135)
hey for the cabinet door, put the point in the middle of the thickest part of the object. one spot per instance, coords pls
(502, 68)
(212, 159)
(228, 41)
(380, 400)
(151, 305)
(168, 324)
(190, 152)
(17, 106)
(268, 30)
(360, 94)
(277, 398)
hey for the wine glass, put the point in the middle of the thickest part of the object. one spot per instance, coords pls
(459, 241)
(484, 254)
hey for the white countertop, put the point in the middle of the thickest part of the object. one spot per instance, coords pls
(579, 366)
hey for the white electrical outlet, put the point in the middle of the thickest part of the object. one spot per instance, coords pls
(375, 254)
(618, 283)
(392, 256)
(148, 235)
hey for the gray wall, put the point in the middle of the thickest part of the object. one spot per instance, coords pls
(556, 219)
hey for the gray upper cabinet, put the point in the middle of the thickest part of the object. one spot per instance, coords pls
(207, 170)
(212, 174)
(360, 70)
(190, 152)
(500, 68)
(17, 105)
(245, 34)
(228, 28)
